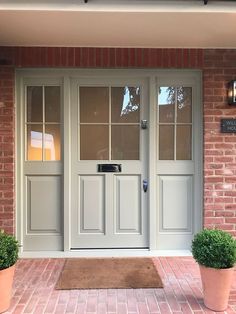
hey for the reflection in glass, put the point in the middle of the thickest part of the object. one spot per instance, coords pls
(166, 104)
(166, 142)
(125, 103)
(52, 142)
(184, 104)
(125, 142)
(94, 142)
(34, 142)
(52, 103)
(34, 103)
(184, 142)
(94, 104)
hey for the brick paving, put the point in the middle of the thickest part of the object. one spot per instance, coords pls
(34, 291)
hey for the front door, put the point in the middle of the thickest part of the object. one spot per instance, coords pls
(109, 161)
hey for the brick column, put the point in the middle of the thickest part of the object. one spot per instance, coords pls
(7, 156)
(219, 148)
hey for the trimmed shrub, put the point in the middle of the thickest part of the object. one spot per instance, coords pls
(8, 250)
(214, 248)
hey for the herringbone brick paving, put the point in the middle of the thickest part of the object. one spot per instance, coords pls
(34, 291)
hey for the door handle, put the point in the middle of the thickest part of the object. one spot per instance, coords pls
(145, 185)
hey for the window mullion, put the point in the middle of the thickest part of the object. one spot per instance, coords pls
(175, 124)
(43, 123)
(109, 145)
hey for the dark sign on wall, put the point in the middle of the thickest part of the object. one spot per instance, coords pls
(228, 126)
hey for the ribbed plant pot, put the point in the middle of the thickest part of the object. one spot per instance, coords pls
(6, 280)
(216, 284)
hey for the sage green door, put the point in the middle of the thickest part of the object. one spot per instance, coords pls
(108, 209)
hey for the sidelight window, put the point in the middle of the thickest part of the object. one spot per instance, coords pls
(175, 123)
(43, 116)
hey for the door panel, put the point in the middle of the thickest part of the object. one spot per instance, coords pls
(108, 209)
(91, 208)
(128, 204)
(44, 201)
(176, 210)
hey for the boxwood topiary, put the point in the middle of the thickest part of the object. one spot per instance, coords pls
(8, 250)
(214, 248)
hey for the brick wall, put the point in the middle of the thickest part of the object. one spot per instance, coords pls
(7, 149)
(219, 148)
(219, 67)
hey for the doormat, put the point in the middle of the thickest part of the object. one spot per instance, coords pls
(109, 273)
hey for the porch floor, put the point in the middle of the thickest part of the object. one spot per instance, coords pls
(35, 279)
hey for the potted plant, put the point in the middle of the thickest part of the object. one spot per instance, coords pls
(215, 252)
(8, 258)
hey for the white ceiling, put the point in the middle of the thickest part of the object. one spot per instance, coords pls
(131, 23)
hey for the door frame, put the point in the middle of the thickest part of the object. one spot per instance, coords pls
(65, 75)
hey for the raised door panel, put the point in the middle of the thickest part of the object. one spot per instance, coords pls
(175, 203)
(44, 204)
(91, 204)
(128, 204)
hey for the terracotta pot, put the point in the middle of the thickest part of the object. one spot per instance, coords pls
(6, 280)
(216, 285)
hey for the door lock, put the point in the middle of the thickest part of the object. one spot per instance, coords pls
(144, 124)
(145, 185)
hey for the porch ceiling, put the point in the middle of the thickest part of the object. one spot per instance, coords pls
(131, 23)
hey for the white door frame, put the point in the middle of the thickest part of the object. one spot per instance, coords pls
(65, 75)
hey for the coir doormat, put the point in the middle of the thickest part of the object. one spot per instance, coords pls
(109, 273)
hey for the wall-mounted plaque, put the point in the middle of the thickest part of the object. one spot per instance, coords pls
(228, 126)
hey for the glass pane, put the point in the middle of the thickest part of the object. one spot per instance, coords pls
(94, 142)
(52, 103)
(184, 104)
(52, 142)
(34, 141)
(125, 104)
(166, 142)
(125, 142)
(94, 104)
(34, 104)
(184, 142)
(166, 104)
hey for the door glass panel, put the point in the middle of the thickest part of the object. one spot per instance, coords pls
(166, 142)
(166, 104)
(125, 104)
(34, 141)
(94, 104)
(52, 142)
(43, 105)
(52, 103)
(125, 142)
(184, 142)
(34, 104)
(184, 104)
(94, 142)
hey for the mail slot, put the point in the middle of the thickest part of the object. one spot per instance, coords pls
(109, 168)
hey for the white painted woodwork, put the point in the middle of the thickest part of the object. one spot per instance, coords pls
(129, 23)
(44, 204)
(91, 193)
(128, 204)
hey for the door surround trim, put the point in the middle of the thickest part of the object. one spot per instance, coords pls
(65, 75)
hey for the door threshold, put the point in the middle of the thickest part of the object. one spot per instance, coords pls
(104, 253)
